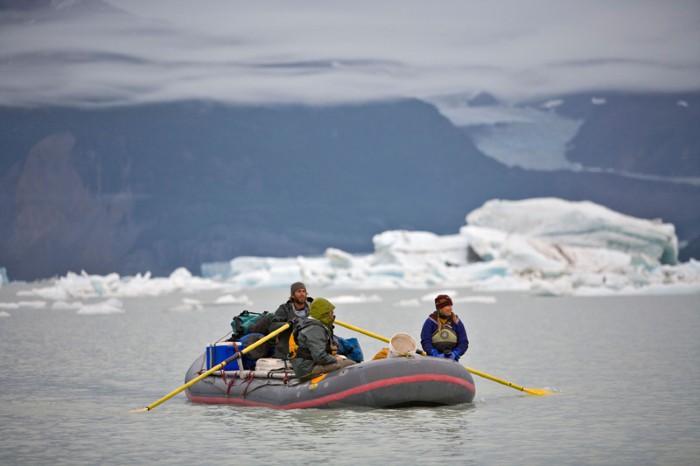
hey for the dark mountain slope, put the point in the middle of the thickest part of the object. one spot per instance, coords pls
(654, 134)
(156, 187)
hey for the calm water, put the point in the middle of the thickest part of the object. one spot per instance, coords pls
(626, 371)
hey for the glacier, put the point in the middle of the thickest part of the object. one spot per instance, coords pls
(543, 246)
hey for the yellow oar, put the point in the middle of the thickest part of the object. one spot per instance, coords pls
(531, 391)
(358, 329)
(212, 370)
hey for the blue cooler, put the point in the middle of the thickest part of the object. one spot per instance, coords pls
(220, 351)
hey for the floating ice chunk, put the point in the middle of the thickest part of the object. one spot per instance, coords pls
(187, 305)
(110, 306)
(19, 304)
(4, 314)
(340, 259)
(582, 224)
(65, 305)
(261, 272)
(85, 286)
(355, 299)
(33, 304)
(418, 249)
(231, 299)
(408, 303)
(476, 299)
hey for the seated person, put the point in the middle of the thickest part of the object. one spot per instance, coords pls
(295, 309)
(443, 334)
(312, 349)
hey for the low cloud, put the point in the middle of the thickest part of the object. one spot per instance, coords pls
(124, 52)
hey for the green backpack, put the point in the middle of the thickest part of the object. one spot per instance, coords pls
(250, 322)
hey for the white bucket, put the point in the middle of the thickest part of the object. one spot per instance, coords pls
(270, 364)
(401, 345)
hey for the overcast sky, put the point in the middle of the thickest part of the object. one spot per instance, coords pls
(325, 52)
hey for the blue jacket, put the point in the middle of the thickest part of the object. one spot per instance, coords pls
(430, 327)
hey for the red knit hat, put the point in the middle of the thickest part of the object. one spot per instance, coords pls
(442, 301)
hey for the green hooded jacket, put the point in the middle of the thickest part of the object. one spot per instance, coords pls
(315, 335)
(321, 309)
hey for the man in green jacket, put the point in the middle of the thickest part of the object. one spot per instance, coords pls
(295, 310)
(315, 353)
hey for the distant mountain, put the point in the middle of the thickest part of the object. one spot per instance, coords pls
(160, 186)
(653, 134)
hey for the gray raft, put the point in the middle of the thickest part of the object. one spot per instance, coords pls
(384, 383)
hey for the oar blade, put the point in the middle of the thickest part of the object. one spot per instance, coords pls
(142, 410)
(537, 391)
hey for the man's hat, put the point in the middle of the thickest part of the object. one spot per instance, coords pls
(297, 286)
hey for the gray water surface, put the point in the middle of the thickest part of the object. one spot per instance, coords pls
(626, 372)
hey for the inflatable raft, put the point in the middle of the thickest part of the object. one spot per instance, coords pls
(394, 382)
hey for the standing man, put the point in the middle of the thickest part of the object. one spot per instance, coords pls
(443, 334)
(293, 311)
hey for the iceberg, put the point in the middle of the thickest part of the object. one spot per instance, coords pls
(544, 246)
(580, 225)
(85, 286)
(547, 246)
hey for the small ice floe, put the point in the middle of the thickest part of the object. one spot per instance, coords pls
(476, 299)
(415, 302)
(355, 299)
(66, 305)
(19, 304)
(231, 299)
(33, 304)
(4, 314)
(187, 305)
(110, 306)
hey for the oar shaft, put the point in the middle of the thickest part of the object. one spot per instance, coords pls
(495, 379)
(531, 391)
(213, 369)
(358, 329)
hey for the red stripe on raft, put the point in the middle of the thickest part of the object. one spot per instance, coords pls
(340, 395)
